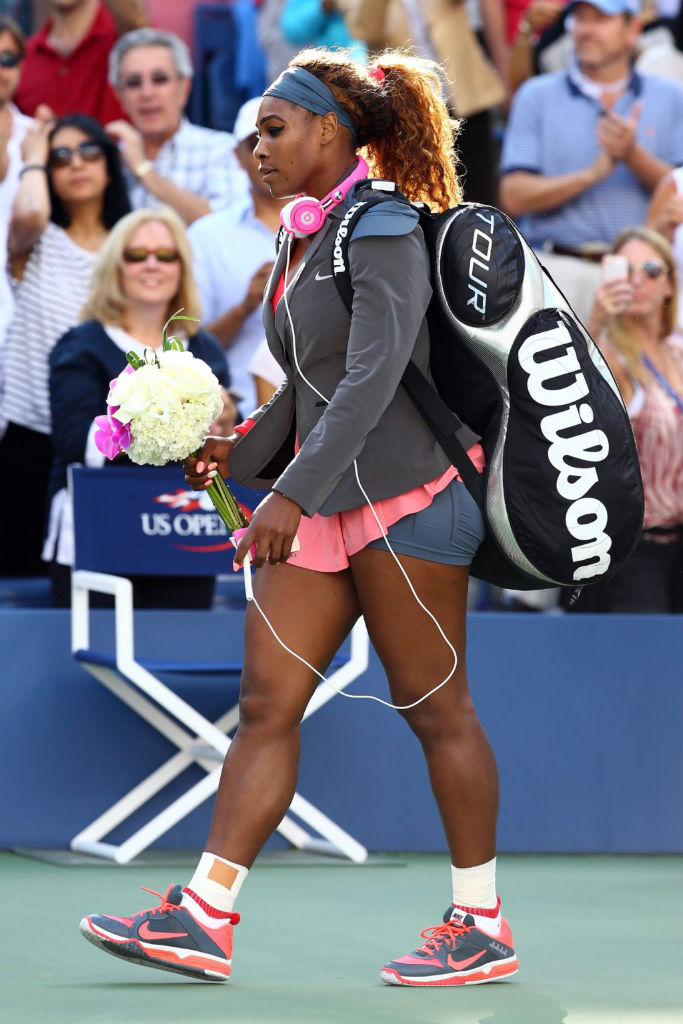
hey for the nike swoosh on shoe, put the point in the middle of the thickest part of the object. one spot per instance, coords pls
(459, 965)
(145, 932)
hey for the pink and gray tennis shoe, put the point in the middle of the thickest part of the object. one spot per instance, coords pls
(167, 937)
(456, 952)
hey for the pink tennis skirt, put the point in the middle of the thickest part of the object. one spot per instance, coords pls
(327, 542)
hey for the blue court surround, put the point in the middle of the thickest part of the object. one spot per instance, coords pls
(584, 713)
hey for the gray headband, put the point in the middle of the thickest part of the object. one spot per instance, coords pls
(301, 87)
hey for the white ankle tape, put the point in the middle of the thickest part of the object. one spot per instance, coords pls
(475, 887)
(218, 881)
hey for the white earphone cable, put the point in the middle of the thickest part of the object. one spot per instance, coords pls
(247, 571)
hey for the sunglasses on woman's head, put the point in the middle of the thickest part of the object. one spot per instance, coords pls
(9, 58)
(61, 156)
(651, 268)
(133, 82)
(139, 254)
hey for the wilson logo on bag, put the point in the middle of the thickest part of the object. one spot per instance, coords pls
(561, 493)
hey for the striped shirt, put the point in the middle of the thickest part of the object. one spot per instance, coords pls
(552, 130)
(199, 160)
(48, 301)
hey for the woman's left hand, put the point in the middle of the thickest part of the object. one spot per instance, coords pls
(271, 531)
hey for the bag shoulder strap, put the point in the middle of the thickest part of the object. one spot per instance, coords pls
(448, 429)
(453, 435)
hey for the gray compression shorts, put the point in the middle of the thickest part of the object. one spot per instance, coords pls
(449, 530)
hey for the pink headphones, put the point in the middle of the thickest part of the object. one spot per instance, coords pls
(304, 215)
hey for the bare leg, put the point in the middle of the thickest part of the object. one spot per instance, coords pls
(461, 765)
(312, 612)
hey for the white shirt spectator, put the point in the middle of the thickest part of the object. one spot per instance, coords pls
(48, 301)
(263, 364)
(200, 160)
(8, 188)
(229, 247)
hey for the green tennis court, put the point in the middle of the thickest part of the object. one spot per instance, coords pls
(599, 942)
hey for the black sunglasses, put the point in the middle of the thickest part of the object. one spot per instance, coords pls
(139, 254)
(650, 268)
(156, 78)
(61, 156)
(9, 58)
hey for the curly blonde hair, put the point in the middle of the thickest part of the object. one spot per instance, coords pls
(403, 125)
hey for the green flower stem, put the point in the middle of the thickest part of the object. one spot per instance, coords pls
(224, 501)
(225, 504)
(234, 510)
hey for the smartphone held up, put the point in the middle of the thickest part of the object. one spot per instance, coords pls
(614, 267)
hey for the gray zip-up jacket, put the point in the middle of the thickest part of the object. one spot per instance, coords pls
(356, 362)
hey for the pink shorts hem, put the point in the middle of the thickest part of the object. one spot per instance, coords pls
(327, 542)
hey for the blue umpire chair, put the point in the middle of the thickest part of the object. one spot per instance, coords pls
(144, 521)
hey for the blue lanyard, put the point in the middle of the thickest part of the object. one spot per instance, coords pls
(663, 382)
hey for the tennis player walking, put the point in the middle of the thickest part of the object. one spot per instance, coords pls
(347, 458)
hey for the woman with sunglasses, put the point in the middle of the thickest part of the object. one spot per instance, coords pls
(142, 275)
(363, 452)
(72, 192)
(634, 321)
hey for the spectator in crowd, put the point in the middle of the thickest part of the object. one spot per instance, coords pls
(319, 23)
(234, 251)
(634, 319)
(585, 148)
(266, 373)
(666, 216)
(443, 31)
(142, 275)
(66, 62)
(71, 193)
(542, 44)
(278, 51)
(13, 126)
(529, 17)
(168, 160)
(531, 23)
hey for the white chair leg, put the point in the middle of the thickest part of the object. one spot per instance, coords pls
(130, 679)
(339, 840)
(89, 839)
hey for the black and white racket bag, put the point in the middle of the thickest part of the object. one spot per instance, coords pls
(561, 494)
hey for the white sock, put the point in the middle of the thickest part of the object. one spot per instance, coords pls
(211, 892)
(474, 890)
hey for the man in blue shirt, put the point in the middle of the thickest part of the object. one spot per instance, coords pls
(234, 249)
(584, 148)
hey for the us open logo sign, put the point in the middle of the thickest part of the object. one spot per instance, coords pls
(190, 520)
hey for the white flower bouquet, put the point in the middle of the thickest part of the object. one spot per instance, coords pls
(159, 410)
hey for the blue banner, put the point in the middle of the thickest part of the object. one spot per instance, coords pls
(140, 519)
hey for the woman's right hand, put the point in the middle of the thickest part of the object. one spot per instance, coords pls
(611, 298)
(213, 457)
(35, 146)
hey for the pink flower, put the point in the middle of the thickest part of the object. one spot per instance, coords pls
(111, 437)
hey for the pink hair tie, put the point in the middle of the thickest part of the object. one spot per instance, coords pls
(377, 74)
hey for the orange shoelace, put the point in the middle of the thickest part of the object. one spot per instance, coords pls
(449, 931)
(164, 905)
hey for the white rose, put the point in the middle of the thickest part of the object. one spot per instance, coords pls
(164, 389)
